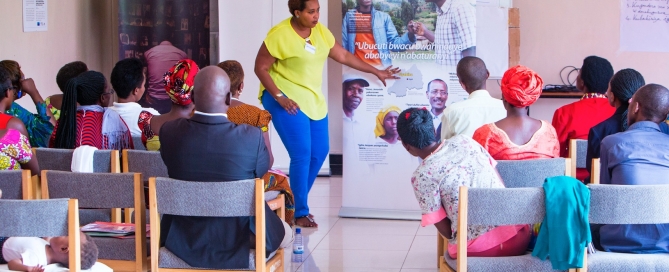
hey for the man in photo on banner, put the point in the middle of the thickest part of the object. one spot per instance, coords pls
(455, 32)
(437, 94)
(370, 34)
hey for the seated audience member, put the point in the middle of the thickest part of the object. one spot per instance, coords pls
(90, 123)
(33, 253)
(573, 121)
(621, 88)
(127, 79)
(638, 156)
(40, 125)
(178, 85)
(210, 148)
(447, 165)
(15, 151)
(386, 124)
(67, 72)
(518, 136)
(242, 113)
(464, 117)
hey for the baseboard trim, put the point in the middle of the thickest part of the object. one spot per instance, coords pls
(349, 212)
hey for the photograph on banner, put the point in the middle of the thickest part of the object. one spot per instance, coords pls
(425, 39)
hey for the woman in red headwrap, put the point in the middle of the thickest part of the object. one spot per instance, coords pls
(518, 136)
(179, 86)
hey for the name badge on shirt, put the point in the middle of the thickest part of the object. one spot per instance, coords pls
(310, 48)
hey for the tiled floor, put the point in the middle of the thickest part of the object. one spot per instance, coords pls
(361, 245)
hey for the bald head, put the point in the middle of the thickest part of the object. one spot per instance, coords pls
(649, 103)
(210, 88)
(472, 73)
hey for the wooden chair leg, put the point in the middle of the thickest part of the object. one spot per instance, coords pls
(440, 249)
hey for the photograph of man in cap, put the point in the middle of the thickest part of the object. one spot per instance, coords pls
(353, 91)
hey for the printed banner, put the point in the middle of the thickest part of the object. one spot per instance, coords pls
(426, 41)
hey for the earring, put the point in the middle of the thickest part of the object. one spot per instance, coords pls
(298, 16)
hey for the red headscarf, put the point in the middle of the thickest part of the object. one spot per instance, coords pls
(179, 81)
(521, 86)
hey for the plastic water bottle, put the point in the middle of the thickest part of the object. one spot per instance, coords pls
(298, 246)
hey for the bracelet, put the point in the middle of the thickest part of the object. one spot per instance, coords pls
(279, 95)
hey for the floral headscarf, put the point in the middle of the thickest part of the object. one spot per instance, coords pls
(179, 81)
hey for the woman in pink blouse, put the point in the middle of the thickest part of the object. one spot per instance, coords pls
(447, 165)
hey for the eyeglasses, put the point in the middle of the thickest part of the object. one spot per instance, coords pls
(111, 91)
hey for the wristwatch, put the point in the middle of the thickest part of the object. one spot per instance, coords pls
(279, 95)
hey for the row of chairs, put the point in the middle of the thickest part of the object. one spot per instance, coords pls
(511, 206)
(125, 255)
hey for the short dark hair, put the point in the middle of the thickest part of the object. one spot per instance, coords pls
(235, 72)
(14, 70)
(69, 71)
(4, 79)
(472, 72)
(653, 102)
(596, 73)
(436, 79)
(89, 253)
(127, 75)
(294, 5)
(415, 127)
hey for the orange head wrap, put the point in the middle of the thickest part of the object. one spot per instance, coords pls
(521, 86)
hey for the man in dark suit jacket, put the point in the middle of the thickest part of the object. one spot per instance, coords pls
(208, 147)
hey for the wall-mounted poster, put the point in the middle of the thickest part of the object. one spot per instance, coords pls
(425, 39)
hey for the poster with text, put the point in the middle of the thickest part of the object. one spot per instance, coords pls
(644, 25)
(425, 41)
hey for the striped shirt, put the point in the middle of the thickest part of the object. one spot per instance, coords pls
(455, 31)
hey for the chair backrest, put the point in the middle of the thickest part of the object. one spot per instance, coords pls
(148, 163)
(137, 142)
(532, 173)
(504, 206)
(104, 161)
(16, 184)
(578, 151)
(211, 199)
(43, 218)
(629, 204)
(93, 190)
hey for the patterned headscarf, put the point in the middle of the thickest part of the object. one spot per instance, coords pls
(521, 86)
(179, 81)
(379, 130)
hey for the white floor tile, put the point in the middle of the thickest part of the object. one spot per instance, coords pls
(370, 259)
(349, 226)
(424, 243)
(427, 231)
(421, 259)
(365, 242)
(419, 270)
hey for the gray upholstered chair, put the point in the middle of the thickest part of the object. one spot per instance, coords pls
(578, 152)
(137, 142)
(532, 173)
(104, 161)
(106, 191)
(151, 164)
(505, 206)
(16, 184)
(187, 198)
(43, 218)
(628, 204)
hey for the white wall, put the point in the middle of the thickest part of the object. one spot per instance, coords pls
(78, 30)
(555, 34)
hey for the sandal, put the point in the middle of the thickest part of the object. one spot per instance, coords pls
(310, 224)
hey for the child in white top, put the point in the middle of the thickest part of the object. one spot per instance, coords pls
(33, 254)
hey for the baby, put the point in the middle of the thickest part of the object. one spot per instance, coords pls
(33, 254)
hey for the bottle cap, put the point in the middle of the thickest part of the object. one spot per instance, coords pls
(298, 230)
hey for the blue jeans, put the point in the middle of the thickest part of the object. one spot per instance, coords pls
(308, 144)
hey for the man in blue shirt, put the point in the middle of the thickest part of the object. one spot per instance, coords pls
(638, 156)
(371, 35)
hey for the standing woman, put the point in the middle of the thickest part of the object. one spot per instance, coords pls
(290, 67)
